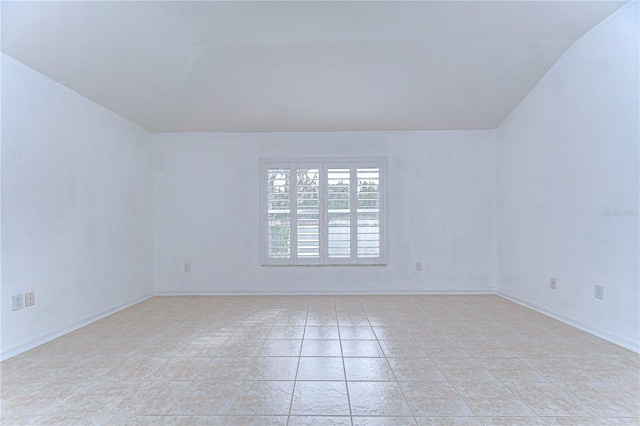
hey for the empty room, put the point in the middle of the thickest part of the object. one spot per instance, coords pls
(320, 213)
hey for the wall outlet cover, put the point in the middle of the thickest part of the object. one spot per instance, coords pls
(30, 298)
(599, 292)
(552, 284)
(17, 302)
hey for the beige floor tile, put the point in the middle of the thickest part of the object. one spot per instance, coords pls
(377, 399)
(357, 333)
(281, 348)
(320, 398)
(20, 420)
(320, 368)
(394, 351)
(66, 419)
(546, 399)
(319, 421)
(285, 332)
(228, 368)
(245, 352)
(322, 320)
(624, 421)
(448, 421)
(291, 320)
(492, 399)
(428, 399)
(263, 398)
(206, 399)
(202, 348)
(415, 370)
(609, 399)
(463, 369)
(240, 348)
(95, 398)
(26, 405)
(192, 420)
(273, 368)
(383, 332)
(511, 370)
(384, 421)
(147, 400)
(185, 369)
(347, 320)
(321, 348)
(120, 420)
(577, 421)
(254, 420)
(321, 333)
(515, 421)
(368, 369)
(361, 348)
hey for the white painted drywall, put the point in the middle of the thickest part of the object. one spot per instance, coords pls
(440, 197)
(567, 177)
(76, 208)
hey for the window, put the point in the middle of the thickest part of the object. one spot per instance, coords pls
(322, 212)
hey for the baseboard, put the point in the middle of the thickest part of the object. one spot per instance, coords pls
(619, 340)
(401, 292)
(47, 337)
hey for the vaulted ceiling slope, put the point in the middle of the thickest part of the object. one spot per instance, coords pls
(178, 66)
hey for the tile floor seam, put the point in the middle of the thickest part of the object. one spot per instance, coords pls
(295, 378)
(344, 368)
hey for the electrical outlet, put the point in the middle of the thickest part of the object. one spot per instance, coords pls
(187, 266)
(552, 284)
(30, 298)
(17, 302)
(599, 292)
(418, 266)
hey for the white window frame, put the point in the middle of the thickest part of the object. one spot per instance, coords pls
(323, 164)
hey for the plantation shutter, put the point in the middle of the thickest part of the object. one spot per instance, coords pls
(368, 212)
(279, 213)
(308, 213)
(323, 213)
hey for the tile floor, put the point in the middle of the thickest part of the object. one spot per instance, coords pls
(322, 360)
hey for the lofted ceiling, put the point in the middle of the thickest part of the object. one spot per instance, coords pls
(180, 66)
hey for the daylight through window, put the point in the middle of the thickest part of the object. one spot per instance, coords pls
(323, 212)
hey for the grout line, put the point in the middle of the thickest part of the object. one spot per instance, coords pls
(295, 379)
(344, 368)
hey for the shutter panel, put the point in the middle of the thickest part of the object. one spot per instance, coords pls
(308, 214)
(279, 213)
(368, 212)
(338, 213)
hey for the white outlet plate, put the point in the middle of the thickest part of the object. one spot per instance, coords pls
(30, 298)
(418, 266)
(187, 266)
(17, 302)
(599, 292)
(552, 283)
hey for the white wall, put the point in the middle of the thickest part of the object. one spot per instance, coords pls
(567, 156)
(76, 208)
(440, 198)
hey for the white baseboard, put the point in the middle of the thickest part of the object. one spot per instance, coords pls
(47, 337)
(617, 339)
(407, 292)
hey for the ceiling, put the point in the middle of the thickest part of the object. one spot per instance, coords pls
(178, 66)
